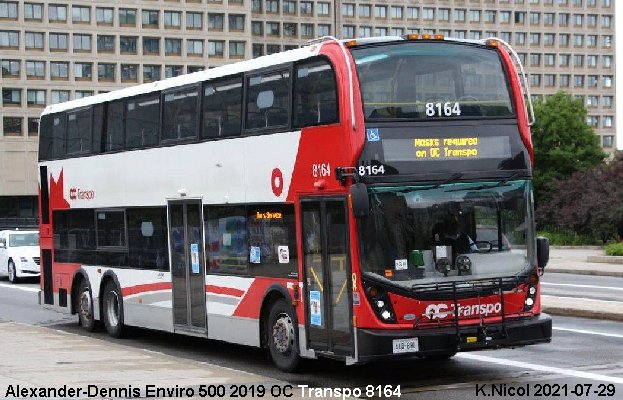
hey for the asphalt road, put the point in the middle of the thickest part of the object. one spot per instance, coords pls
(583, 286)
(583, 352)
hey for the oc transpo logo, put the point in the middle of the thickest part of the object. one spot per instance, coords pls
(79, 194)
(441, 311)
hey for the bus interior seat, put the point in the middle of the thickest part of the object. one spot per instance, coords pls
(307, 118)
(255, 120)
(212, 127)
(327, 113)
(231, 127)
(276, 116)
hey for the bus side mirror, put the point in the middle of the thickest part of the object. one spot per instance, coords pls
(542, 251)
(359, 200)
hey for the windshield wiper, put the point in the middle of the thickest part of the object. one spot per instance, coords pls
(451, 179)
(481, 187)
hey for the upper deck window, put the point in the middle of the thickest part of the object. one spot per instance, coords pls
(427, 80)
(142, 120)
(180, 114)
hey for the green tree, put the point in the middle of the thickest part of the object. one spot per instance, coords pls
(563, 142)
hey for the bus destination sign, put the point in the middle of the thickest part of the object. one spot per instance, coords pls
(447, 148)
(461, 147)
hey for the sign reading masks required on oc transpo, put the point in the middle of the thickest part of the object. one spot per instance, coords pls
(447, 148)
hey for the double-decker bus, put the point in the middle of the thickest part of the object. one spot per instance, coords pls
(348, 199)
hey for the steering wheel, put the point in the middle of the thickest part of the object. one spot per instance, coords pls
(484, 246)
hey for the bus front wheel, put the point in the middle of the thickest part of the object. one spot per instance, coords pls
(113, 310)
(281, 330)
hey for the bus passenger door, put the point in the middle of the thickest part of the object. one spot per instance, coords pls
(327, 275)
(187, 265)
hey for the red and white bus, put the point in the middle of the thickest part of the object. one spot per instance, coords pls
(349, 199)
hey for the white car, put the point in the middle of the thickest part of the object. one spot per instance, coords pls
(19, 254)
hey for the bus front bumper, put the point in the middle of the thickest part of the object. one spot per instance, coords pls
(373, 344)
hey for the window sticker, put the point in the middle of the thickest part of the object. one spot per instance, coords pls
(284, 254)
(315, 308)
(400, 264)
(194, 257)
(373, 135)
(254, 256)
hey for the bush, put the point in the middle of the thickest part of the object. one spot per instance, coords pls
(614, 249)
(559, 237)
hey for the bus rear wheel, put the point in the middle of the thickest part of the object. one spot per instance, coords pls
(85, 307)
(282, 337)
(113, 310)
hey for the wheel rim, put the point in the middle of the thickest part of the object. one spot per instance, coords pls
(11, 272)
(283, 334)
(112, 308)
(85, 305)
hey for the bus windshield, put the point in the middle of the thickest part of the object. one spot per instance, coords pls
(453, 232)
(432, 80)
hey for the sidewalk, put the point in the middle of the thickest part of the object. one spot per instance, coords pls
(575, 261)
(38, 358)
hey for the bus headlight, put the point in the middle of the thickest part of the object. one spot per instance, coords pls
(23, 259)
(379, 299)
(531, 293)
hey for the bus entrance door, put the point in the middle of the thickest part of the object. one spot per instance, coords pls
(327, 276)
(187, 266)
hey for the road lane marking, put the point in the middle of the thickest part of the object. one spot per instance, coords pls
(587, 332)
(24, 288)
(541, 368)
(582, 286)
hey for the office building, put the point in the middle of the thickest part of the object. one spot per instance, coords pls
(54, 51)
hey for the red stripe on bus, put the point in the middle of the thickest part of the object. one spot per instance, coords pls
(224, 290)
(148, 287)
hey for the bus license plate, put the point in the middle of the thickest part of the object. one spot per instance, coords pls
(406, 345)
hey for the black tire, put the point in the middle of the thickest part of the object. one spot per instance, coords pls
(282, 336)
(12, 272)
(112, 310)
(84, 306)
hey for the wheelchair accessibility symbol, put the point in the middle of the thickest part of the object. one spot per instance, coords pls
(373, 135)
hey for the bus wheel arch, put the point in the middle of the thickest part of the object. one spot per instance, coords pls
(279, 329)
(111, 305)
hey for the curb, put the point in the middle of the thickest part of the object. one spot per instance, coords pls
(576, 247)
(605, 259)
(613, 273)
(576, 312)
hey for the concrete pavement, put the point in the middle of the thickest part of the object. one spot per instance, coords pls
(57, 364)
(576, 261)
(584, 261)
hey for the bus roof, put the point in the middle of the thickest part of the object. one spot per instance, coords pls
(224, 70)
(187, 79)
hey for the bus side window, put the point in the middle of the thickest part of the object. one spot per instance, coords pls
(113, 122)
(315, 94)
(142, 120)
(52, 141)
(272, 240)
(268, 97)
(226, 240)
(79, 126)
(179, 119)
(222, 108)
